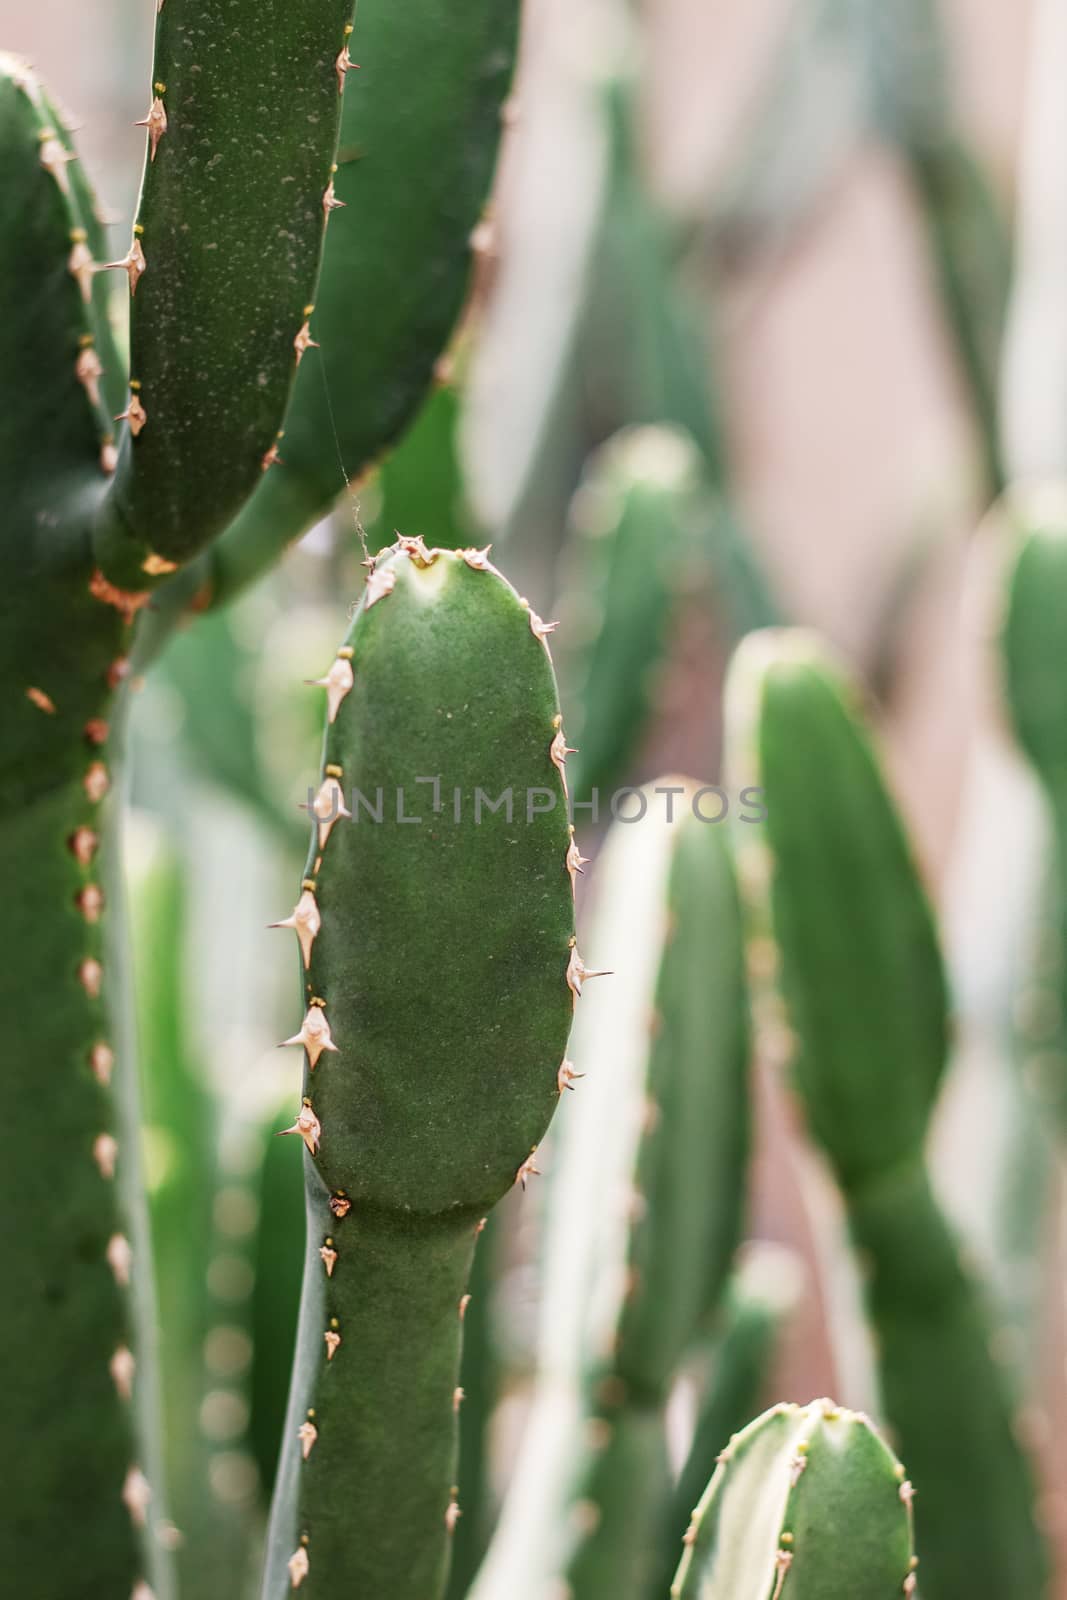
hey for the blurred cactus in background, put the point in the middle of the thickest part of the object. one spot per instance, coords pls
(616, 1107)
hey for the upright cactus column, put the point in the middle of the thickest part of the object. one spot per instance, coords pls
(440, 972)
(860, 1015)
(807, 1503)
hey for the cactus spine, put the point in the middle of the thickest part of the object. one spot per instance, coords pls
(440, 973)
(806, 1502)
(862, 1018)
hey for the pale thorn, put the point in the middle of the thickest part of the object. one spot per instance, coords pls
(907, 1492)
(109, 457)
(105, 1154)
(299, 1567)
(83, 845)
(133, 264)
(54, 159)
(156, 123)
(539, 629)
(135, 414)
(328, 807)
(96, 782)
(137, 1494)
(478, 560)
(88, 370)
(911, 1583)
(158, 566)
(481, 1226)
(122, 1367)
(463, 1304)
(796, 1469)
(458, 1397)
(307, 1433)
(578, 972)
(90, 976)
(304, 342)
(689, 1537)
(329, 1257)
(102, 1060)
(119, 1258)
(141, 1591)
(314, 1035)
(559, 750)
(270, 458)
(90, 902)
(566, 1077)
(307, 1125)
(338, 682)
(576, 862)
(305, 919)
(379, 584)
(330, 201)
(783, 1560)
(42, 701)
(344, 64)
(81, 266)
(452, 1515)
(332, 1339)
(415, 549)
(528, 1170)
(340, 1205)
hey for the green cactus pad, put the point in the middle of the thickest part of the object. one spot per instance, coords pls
(245, 108)
(807, 1503)
(445, 968)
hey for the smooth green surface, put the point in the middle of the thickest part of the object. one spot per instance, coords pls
(946, 1397)
(862, 974)
(633, 565)
(231, 222)
(1032, 644)
(442, 961)
(806, 1503)
(416, 159)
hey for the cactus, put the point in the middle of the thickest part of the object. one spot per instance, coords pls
(440, 971)
(806, 1501)
(862, 1018)
(645, 1210)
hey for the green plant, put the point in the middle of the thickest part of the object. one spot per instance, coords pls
(859, 1013)
(806, 1501)
(222, 272)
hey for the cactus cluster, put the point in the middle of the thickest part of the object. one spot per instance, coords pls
(250, 1352)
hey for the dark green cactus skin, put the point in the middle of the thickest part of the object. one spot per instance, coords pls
(863, 986)
(808, 1503)
(634, 561)
(645, 1211)
(479, 1378)
(418, 148)
(230, 243)
(443, 962)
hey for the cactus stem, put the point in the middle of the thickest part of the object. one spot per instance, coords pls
(314, 1033)
(528, 1170)
(105, 1153)
(133, 264)
(338, 682)
(307, 1433)
(136, 1495)
(156, 123)
(305, 919)
(135, 414)
(122, 1367)
(42, 701)
(329, 1257)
